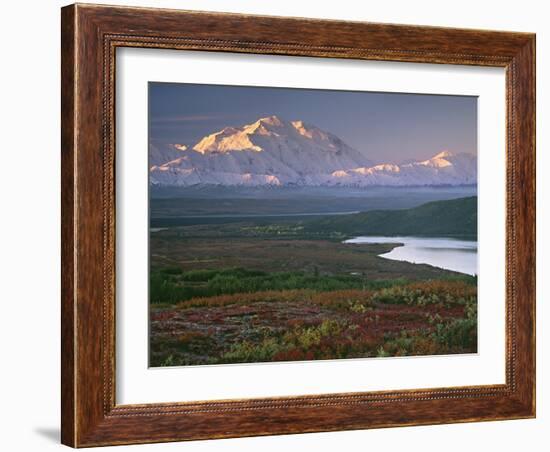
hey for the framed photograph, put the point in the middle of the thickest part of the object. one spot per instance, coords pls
(281, 225)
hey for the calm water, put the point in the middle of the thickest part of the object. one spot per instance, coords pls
(451, 254)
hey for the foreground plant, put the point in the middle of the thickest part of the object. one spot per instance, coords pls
(422, 318)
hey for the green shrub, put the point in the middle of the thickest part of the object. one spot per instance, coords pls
(460, 333)
(246, 352)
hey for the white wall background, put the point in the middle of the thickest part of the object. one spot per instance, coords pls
(29, 236)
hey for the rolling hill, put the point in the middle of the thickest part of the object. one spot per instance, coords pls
(450, 218)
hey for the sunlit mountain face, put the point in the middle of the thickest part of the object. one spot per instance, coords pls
(273, 151)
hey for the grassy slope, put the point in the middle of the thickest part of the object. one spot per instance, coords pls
(456, 217)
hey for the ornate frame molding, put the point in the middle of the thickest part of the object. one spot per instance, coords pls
(90, 37)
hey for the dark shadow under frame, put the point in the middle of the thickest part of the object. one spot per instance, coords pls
(90, 36)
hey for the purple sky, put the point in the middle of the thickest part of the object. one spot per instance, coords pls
(387, 127)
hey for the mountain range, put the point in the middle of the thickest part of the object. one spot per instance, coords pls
(275, 152)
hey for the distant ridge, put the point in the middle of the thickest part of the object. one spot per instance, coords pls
(450, 218)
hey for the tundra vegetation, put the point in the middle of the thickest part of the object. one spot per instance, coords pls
(259, 290)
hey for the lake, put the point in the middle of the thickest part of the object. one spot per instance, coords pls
(451, 254)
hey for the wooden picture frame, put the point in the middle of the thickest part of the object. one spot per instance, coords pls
(90, 36)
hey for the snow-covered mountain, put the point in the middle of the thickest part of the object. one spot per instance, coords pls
(162, 154)
(276, 152)
(445, 168)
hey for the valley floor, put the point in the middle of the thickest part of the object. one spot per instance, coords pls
(254, 292)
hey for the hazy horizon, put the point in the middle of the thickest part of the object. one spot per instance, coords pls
(385, 127)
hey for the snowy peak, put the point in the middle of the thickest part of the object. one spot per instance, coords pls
(445, 168)
(443, 155)
(269, 126)
(455, 161)
(242, 138)
(227, 139)
(162, 154)
(309, 131)
(440, 160)
(265, 131)
(274, 151)
(270, 121)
